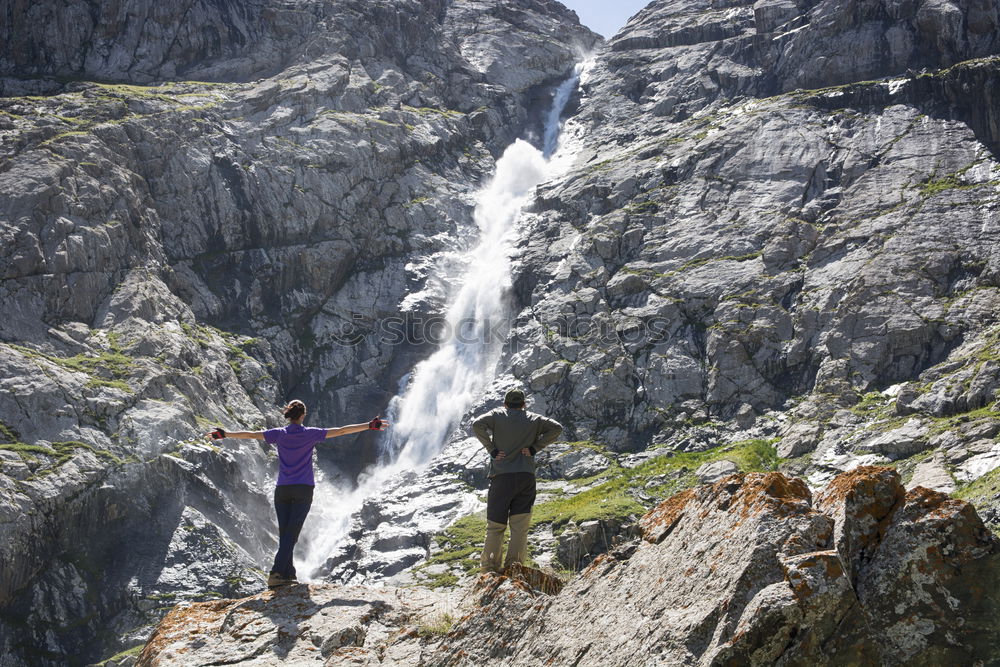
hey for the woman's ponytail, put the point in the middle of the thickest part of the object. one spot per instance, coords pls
(294, 410)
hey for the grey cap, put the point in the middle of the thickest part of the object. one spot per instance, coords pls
(514, 397)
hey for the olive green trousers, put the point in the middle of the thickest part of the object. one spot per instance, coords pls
(517, 550)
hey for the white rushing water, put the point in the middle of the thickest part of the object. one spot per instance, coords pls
(440, 389)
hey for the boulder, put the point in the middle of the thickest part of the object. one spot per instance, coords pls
(858, 502)
(933, 474)
(560, 461)
(710, 473)
(900, 443)
(798, 439)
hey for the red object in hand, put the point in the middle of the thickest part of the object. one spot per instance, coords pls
(375, 424)
(218, 433)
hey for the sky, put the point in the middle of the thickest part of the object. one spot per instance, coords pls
(605, 16)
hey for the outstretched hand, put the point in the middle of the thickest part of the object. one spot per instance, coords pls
(378, 424)
(217, 434)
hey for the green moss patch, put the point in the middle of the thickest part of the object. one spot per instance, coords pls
(106, 368)
(27, 452)
(981, 490)
(8, 434)
(610, 500)
(439, 579)
(458, 548)
(438, 626)
(620, 492)
(66, 450)
(431, 111)
(58, 454)
(873, 405)
(981, 493)
(942, 424)
(127, 653)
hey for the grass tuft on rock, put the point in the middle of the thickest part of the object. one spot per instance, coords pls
(8, 434)
(113, 362)
(459, 544)
(981, 490)
(982, 494)
(435, 627)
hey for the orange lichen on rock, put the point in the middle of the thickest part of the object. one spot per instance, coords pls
(773, 492)
(937, 505)
(533, 580)
(657, 523)
(809, 573)
(597, 563)
(183, 620)
(867, 482)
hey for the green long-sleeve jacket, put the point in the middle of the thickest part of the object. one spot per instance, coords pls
(511, 431)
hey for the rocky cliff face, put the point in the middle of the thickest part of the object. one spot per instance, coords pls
(772, 241)
(744, 245)
(198, 202)
(746, 571)
(734, 253)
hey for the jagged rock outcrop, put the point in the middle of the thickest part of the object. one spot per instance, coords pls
(744, 571)
(227, 224)
(750, 571)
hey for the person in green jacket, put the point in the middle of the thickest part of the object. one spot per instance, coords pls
(512, 436)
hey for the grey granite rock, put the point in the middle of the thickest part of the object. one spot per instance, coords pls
(710, 473)
(798, 439)
(304, 625)
(933, 474)
(908, 439)
(567, 462)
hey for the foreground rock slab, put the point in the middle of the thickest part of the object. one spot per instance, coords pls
(299, 625)
(746, 571)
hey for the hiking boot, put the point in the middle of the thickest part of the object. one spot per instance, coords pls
(274, 580)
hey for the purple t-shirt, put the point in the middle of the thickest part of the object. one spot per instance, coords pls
(295, 448)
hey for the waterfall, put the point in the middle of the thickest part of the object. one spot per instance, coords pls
(436, 395)
(553, 122)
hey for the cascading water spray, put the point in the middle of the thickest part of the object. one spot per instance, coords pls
(442, 387)
(553, 123)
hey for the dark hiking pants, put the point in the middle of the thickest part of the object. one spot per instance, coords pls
(510, 493)
(510, 499)
(291, 504)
